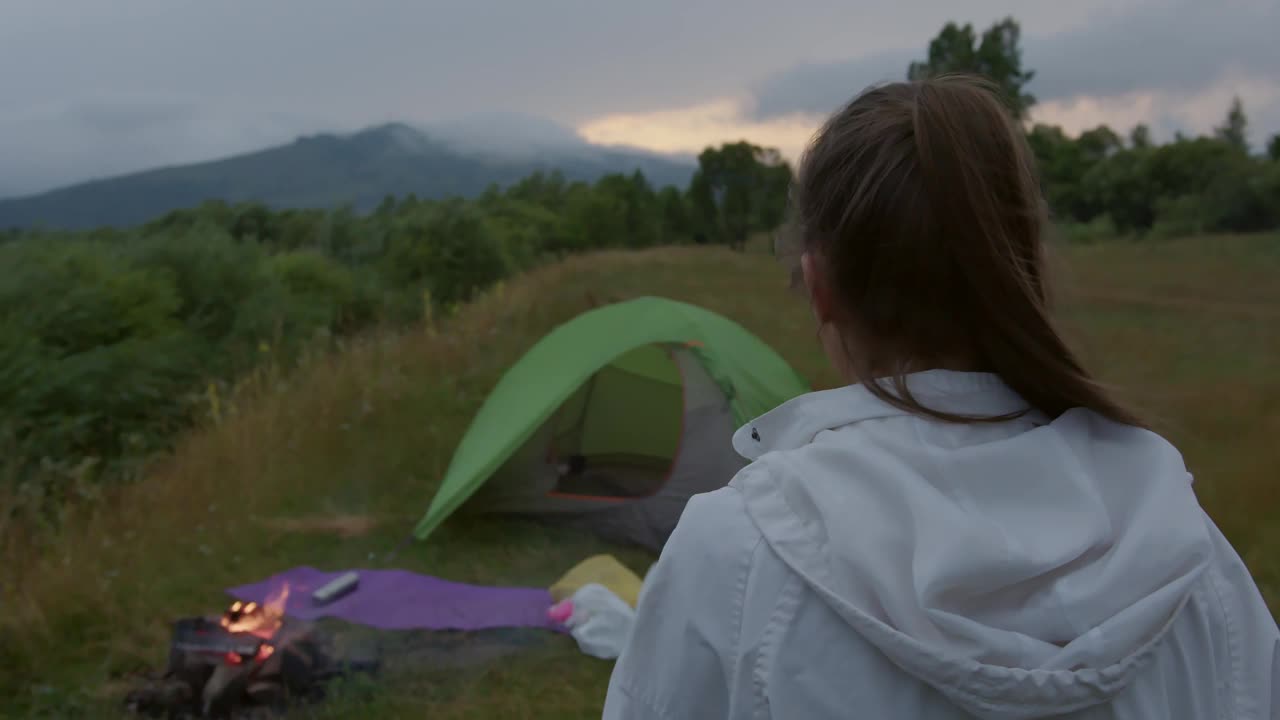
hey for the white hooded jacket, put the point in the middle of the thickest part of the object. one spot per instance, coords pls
(871, 563)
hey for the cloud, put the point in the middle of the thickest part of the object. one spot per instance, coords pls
(1166, 112)
(1155, 55)
(1181, 47)
(692, 128)
(819, 88)
(506, 134)
(103, 135)
(112, 116)
(89, 88)
(209, 78)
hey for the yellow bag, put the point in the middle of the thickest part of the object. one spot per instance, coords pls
(604, 570)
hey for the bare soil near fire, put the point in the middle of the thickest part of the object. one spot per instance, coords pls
(332, 465)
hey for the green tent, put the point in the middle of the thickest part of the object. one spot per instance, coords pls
(615, 419)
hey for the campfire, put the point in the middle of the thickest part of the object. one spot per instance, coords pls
(251, 661)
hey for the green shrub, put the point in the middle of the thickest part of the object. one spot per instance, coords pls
(448, 250)
(1099, 229)
(1182, 216)
(94, 360)
(213, 274)
(110, 338)
(73, 296)
(333, 295)
(528, 231)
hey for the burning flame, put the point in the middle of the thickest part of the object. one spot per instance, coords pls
(275, 603)
(260, 620)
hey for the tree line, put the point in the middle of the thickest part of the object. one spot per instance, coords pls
(1105, 182)
(112, 341)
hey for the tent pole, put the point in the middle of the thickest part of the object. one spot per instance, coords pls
(408, 539)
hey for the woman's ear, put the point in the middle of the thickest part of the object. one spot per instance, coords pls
(819, 295)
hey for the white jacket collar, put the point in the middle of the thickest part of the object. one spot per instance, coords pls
(796, 422)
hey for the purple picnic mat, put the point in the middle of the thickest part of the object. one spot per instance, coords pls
(401, 600)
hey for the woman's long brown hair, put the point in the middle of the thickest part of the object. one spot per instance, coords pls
(921, 204)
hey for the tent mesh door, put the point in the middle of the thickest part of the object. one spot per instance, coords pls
(618, 435)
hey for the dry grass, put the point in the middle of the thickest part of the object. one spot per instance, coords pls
(333, 465)
(344, 526)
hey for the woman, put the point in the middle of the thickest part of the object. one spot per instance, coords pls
(972, 527)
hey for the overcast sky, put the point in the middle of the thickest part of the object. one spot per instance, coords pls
(97, 87)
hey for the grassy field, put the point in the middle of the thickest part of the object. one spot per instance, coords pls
(332, 466)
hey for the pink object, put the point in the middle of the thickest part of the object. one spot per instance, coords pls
(561, 611)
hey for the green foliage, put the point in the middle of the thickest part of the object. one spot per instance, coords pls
(1188, 186)
(1100, 229)
(738, 189)
(212, 275)
(1235, 130)
(541, 189)
(449, 250)
(1140, 137)
(1206, 184)
(530, 230)
(677, 215)
(1185, 187)
(1118, 187)
(640, 209)
(467, 254)
(1064, 163)
(1180, 216)
(997, 55)
(595, 220)
(90, 296)
(334, 296)
(94, 360)
(110, 339)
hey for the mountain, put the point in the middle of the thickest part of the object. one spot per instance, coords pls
(457, 158)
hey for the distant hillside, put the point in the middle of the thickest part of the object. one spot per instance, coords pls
(329, 170)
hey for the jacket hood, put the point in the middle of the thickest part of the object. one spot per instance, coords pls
(1023, 569)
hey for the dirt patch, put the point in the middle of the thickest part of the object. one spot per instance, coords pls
(345, 526)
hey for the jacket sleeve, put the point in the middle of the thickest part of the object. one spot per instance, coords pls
(679, 660)
(1275, 679)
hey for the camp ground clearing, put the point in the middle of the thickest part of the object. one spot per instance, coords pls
(335, 464)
